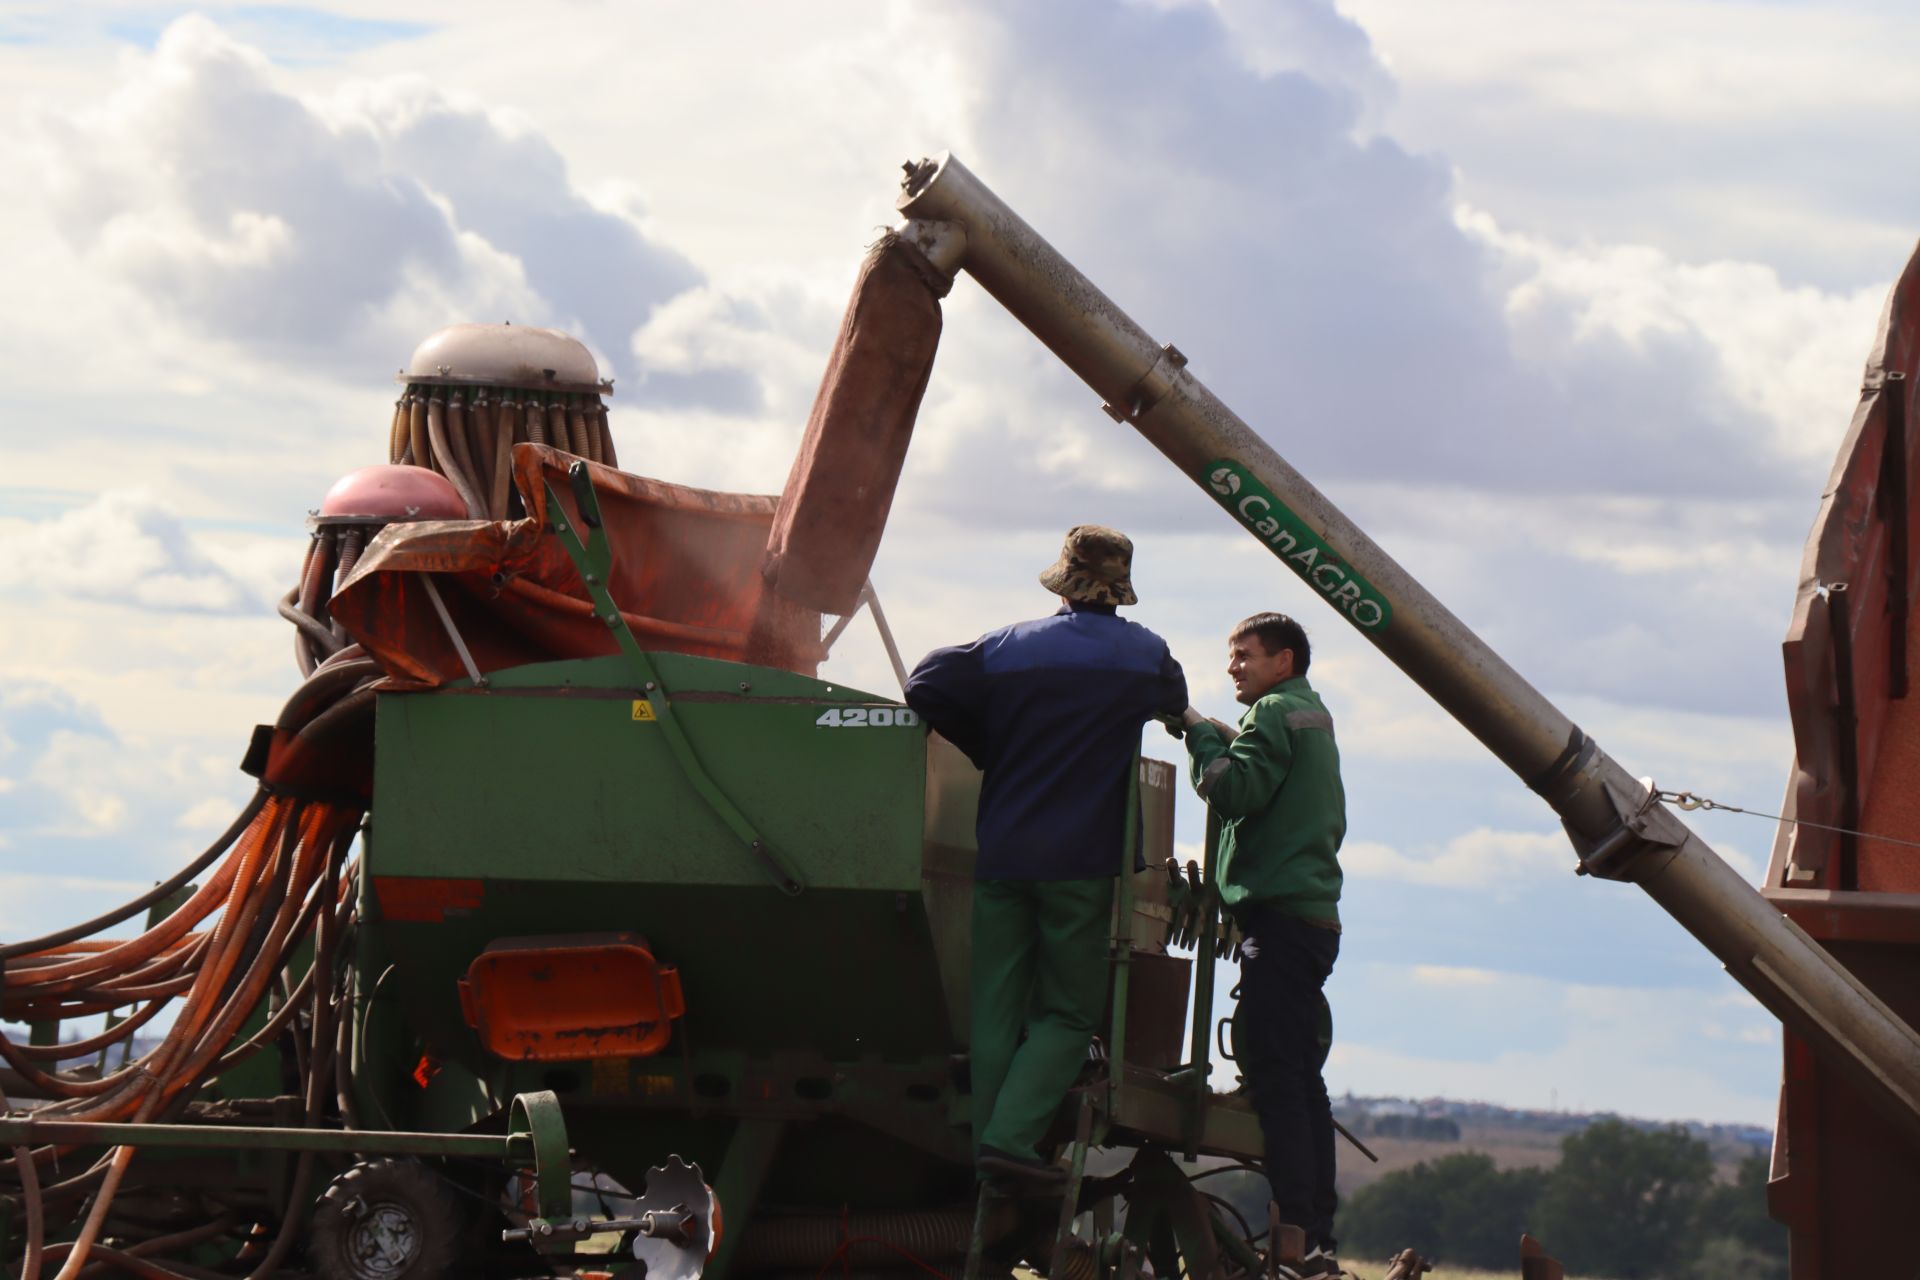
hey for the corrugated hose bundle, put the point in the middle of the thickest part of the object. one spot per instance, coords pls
(280, 874)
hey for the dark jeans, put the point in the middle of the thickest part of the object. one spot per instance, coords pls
(1277, 1028)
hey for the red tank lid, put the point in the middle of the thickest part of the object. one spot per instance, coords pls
(394, 493)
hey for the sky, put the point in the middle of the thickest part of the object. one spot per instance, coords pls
(1566, 305)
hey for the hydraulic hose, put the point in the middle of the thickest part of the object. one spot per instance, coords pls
(93, 1044)
(397, 433)
(417, 430)
(186, 1239)
(447, 448)
(502, 483)
(344, 712)
(149, 944)
(446, 461)
(31, 1206)
(480, 448)
(536, 416)
(580, 433)
(322, 1043)
(316, 584)
(132, 1264)
(606, 431)
(350, 540)
(160, 1080)
(316, 634)
(302, 992)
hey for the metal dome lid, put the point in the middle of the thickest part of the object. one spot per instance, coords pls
(392, 493)
(505, 355)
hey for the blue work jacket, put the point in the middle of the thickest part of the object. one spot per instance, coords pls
(1050, 711)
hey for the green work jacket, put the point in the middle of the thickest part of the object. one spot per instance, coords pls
(1276, 789)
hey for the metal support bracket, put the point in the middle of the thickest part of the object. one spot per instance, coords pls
(871, 603)
(1205, 956)
(478, 680)
(535, 1120)
(593, 558)
(1152, 387)
(1646, 827)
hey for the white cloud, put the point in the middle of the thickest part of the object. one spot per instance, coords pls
(1479, 859)
(341, 229)
(125, 548)
(210, 814)
(1438, 975)
(1791, 356)
(1710, 130)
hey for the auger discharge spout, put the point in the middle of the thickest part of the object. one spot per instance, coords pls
(1617, 827)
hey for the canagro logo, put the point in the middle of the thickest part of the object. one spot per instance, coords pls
(1304, 551)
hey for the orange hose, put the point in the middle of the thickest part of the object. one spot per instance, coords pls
(257, 849)
(285, 869)
(505, 424)
(158, 938)
(417, 428)
(163, 965)
(447, 445)
(93, 1044)
(32, 1207)
(314, 844)
(536, 420)
(397, 433)
(480, 447)
(612, 457)
(83, 1243)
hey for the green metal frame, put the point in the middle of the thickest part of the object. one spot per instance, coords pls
(1200, 1061)
(593, 558)
(536, 1139)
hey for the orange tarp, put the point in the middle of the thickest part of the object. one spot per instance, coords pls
(838, 494)
(686, 575)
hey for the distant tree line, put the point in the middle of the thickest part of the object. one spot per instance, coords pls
(1426, 1128)
(1624, 1202)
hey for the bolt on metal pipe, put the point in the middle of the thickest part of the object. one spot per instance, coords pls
(1615, 824)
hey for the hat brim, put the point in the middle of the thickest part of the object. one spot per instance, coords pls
(1061, 580)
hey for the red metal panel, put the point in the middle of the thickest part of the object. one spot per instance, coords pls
(1834, 916)
(1842, 1180)
(425, 899)
(1852, 543)
(559, 999)
(1892, 803)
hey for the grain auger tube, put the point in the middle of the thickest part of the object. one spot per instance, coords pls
(1618, 829)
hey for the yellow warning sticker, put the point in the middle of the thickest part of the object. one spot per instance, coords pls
(643, 709)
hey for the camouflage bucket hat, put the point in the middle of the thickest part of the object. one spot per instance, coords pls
(1095, 567)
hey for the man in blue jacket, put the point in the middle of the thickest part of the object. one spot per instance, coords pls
(1050, 711)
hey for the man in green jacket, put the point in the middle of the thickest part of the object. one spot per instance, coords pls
(1275, 786)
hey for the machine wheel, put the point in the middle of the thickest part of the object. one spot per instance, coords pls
(388, 1220)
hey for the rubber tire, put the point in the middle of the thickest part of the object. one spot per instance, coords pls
(440, 1219)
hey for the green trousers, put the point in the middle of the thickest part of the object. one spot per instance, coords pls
(1039, 967)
